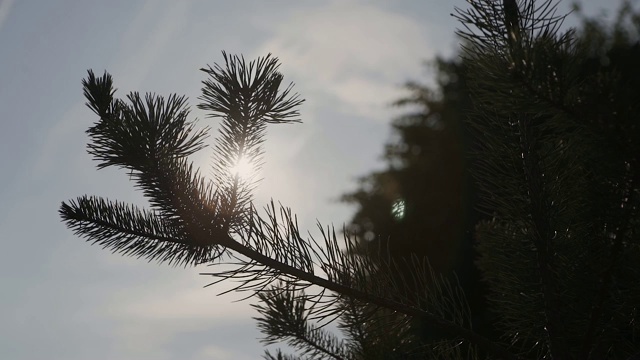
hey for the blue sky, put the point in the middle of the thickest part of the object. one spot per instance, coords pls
(63, 299)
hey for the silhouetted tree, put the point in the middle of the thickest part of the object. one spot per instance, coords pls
(557, 169)
(557, 119)
(422, 204)
(417, 205)
(428, 166)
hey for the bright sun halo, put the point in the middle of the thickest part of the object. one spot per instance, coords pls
(243, 168)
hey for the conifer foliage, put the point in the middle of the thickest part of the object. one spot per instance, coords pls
(194, 220)
(557, 165)
(558, 171)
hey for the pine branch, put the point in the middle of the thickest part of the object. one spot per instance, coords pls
(287, 271)
(132, 135)
(130, 231)
(502, 44)
(280, 356)
(284, 318)
(542, 233)
(629, 212)
(152, 138)
(249, 93)
(557, 136)
(246, 98)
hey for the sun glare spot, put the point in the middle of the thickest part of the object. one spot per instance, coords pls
(243, 169)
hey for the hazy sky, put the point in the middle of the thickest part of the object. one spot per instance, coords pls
(62, 299)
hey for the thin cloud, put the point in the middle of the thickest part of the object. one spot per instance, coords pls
(179, 303)
(351, 52)
(215, 352)
(149, 36)
(5, 8)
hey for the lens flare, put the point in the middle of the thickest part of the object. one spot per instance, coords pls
(398, 209)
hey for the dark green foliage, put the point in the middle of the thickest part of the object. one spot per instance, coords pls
(146, 235)
(246, 97)
(540, 143)
(428, 175)
(279, 323)
(425, 177)
(152, 128)
(558, 173)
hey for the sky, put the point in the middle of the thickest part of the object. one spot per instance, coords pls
(61, 298)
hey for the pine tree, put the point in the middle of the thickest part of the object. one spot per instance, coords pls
(558, 171)
(558, 166)
(427, 178)
(430, 146)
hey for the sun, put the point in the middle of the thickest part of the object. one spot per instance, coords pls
(243, 169)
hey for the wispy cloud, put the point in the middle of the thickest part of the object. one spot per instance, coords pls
(183, 304)
(155, 319)
(351, 52)
(5, 8)
(149, 35)
(214, 352)
(143, 43)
